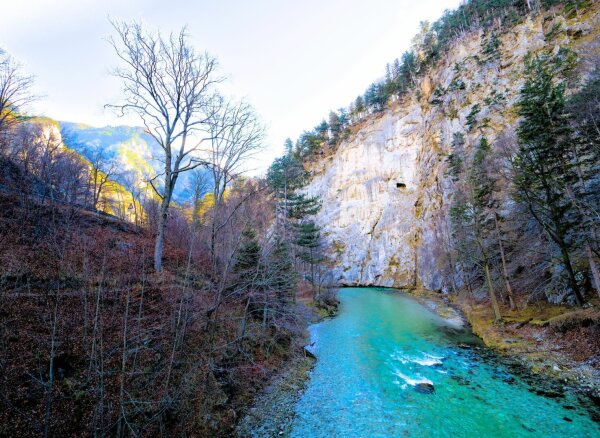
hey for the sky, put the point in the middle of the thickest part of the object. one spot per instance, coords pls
(294, 61)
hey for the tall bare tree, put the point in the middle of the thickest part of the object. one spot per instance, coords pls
(170, 87)
(235, 136)
(15, 93)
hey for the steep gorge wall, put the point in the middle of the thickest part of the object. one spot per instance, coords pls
(384, 189)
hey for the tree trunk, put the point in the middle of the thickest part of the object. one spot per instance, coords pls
(162, 222)
(243, 325)
(572, 280)
(121, 421)
(312, 275)
(497, 314)
(509, 291)
(265, 313)
(593, 268)
(50, 382)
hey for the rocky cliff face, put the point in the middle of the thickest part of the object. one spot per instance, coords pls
(384, 190)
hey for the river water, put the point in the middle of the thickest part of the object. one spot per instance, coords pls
(384, 347)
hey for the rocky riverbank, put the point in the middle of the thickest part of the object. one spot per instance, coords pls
(554, 341)
(545, 339)
(272, 413)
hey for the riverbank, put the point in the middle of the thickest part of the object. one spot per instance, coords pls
(558, 342)
(555, 341)
(272, 413)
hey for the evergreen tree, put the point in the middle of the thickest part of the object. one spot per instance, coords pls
(584, 110)
(308, 238)
(301, 205)
(335, 126)
(248, 256)
(288, 146)
(281, 275)
(359, 106)
(409, 68)
(491, 47)
(481, 205)
(471, 215)
(322, 131)
(285, 176)
(456, 158)
(544, 166)
(376, 97)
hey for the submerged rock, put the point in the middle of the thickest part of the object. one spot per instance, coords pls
(424, 388)
(460, 380)
(548, 393)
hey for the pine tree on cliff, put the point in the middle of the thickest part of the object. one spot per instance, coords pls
(285, 176)
(544, 164)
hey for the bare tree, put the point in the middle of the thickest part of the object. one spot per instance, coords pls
(132, 184)
(170, 87)
(15, 93)
(236, 135)
(102, 170)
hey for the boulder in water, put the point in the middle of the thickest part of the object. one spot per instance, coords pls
(424, 388)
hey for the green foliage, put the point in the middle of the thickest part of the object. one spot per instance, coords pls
(491, 47)
(308, 238)
(545, 173)
(554, 32)
(479, 178)
(438, 95)
(495, 98)
(456, 158)
(294, 230)
(376, 97)
(248, 256)
(308, 235)
(301, 205)
(286, 173)
(335, 125)
(280, 273)
(472, 116)
(573, 6)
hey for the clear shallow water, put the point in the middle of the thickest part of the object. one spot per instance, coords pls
(382, 344)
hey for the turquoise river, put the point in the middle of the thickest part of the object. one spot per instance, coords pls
(380, 359)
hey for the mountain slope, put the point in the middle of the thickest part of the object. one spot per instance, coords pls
(136, 154)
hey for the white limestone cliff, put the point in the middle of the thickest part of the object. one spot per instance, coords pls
(384, 189)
